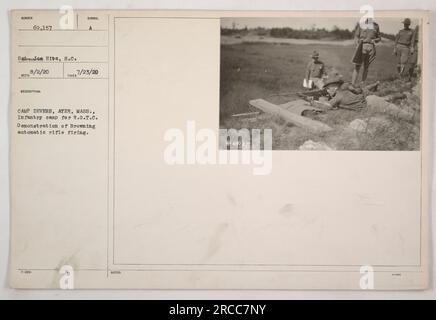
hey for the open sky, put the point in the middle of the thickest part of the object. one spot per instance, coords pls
(387, 25)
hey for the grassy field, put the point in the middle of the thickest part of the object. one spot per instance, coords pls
(251, 70)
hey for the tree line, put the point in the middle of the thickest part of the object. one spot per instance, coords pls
(335, 33)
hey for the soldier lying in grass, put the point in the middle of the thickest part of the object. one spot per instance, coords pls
(344, 95)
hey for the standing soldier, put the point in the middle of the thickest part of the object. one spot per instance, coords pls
(314, 73)
(366, 36)
(404, 46)
(413, 59)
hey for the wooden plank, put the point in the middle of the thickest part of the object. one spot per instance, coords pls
(246, 114)
(302, 122)
(298, 107)
(294, 103)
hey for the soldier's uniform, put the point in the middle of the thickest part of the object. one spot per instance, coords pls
(354, 98)
(367, 37)
(413, 59)
(404, 41)
(348, 99)
(315, 71)
(365, 52)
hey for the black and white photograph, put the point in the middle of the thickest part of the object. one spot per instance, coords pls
(324, 83)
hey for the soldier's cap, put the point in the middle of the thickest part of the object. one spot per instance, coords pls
(314, 54)
(337, 81)
(407, 21)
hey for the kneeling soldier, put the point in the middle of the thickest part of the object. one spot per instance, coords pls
(314, 73)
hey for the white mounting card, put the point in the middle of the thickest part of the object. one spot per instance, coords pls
(179, 149)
